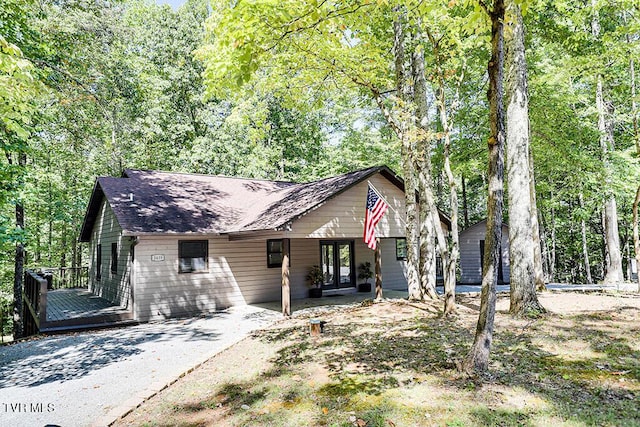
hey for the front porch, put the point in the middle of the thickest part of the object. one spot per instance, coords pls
(78, 308)
(48, 310)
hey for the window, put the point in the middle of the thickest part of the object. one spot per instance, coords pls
(401, 248)
(98, 261)
(193, 255)
(274, 253)
(114, 258)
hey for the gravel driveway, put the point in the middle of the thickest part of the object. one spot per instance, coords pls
(91, 378)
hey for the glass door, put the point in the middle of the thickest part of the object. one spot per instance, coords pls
(327, 254)
(337, 264)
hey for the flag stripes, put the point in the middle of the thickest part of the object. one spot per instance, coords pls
(376, 207)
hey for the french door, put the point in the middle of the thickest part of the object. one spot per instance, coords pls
(336, 261)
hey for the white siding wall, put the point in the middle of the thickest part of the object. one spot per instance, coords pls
(343, 216)
(470, 262)
(237, 275)
(394, 271)
(113, 287)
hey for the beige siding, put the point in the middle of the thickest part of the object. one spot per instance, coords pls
(162, 292)
(470, 262)
(394, 271)
(343, 216)
(304, 254)
(237, 275)
(114, 287)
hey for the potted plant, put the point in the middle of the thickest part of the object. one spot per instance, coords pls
(364, 273)
(315, 278)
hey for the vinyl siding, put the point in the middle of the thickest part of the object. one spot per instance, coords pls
(237, 275)
(112, 287)
(343, 216)
(394, 271)
(470, 262)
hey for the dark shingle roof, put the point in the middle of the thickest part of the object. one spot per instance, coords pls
(189, 203)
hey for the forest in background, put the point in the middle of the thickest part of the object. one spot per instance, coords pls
(89, 88)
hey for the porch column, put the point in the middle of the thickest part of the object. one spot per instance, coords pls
(378, 261)
(286, 292)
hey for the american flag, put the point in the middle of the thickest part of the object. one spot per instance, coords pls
(376, 207)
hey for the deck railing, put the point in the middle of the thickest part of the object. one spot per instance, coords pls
(34, 297)
(65, 277)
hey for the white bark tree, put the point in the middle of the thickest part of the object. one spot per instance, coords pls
(610, 214)
(521, 246)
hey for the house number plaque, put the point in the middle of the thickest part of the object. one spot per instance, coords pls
(157, 258)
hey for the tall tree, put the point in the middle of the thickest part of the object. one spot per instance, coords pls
(18, 89)
(521, 254)
(605, 128)
(477, 360)
(404, 92)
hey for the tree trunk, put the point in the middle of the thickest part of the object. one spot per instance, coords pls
(378, 268)
(450, 261)
(521, 256)
(449, 249)
(546, 252)
(636, 235)
(454, 249)
(636, 137)
(613, 265)
(478, 358)
(538, 270)
(18, 278)
(413, 280)
(465, 209)
(63, 246)
(552, 250)
(634, 107)
(423, 166)
(407, 150)
(585, 249)
(427, 238)
(286, 291)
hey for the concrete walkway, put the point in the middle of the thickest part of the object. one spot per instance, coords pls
(92, 378)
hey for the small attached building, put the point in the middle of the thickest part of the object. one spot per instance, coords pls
(171, 244)
(472, 253)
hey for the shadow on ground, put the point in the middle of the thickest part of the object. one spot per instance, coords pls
(66, 357)
(594, 389)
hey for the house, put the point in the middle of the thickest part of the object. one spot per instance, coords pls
(472, 253)
(173, 244)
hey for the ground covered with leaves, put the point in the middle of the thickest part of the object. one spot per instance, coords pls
(395, 364)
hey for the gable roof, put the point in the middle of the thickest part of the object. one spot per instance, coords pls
(148, 202)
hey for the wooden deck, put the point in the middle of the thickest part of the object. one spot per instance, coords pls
(77, 308)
